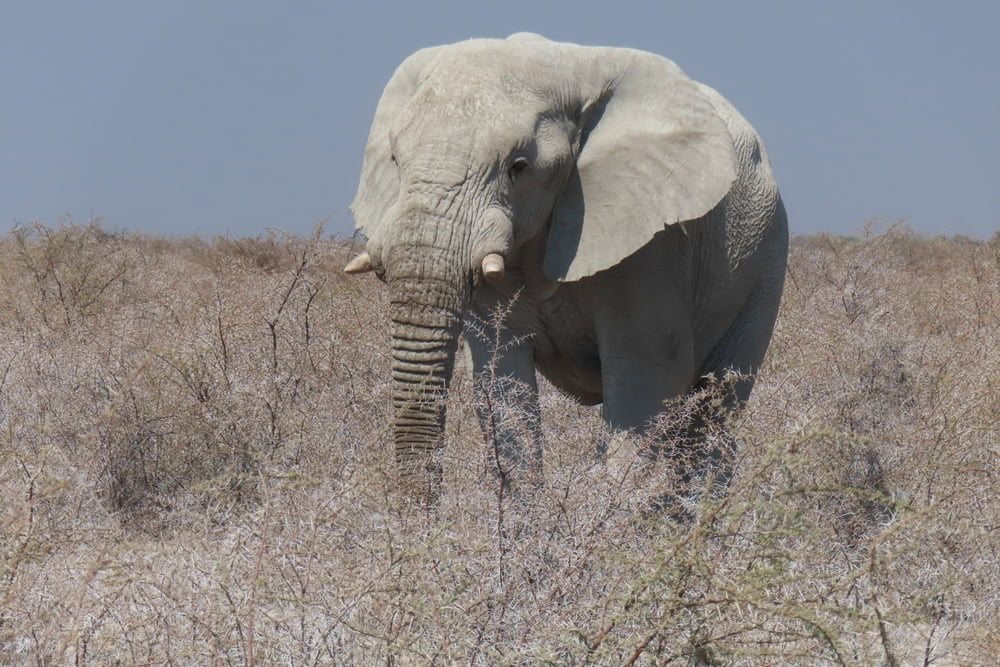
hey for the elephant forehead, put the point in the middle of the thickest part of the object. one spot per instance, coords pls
(483, 96)
(486, 77)
(477, 114)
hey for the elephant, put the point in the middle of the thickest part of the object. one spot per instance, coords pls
(626, 214)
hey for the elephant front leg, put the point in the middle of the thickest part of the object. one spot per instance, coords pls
(507, 402)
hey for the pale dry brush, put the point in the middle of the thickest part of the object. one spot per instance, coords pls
(196, 468)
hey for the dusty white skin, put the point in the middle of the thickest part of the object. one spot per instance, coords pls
(632, 210)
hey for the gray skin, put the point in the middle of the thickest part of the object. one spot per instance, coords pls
(633, 212)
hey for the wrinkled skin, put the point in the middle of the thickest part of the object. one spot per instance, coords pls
(631, 211)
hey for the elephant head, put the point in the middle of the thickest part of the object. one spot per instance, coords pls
(524, 160)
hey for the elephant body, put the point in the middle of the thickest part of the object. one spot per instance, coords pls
(625, 217)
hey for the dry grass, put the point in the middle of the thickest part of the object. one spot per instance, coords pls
(195, 469)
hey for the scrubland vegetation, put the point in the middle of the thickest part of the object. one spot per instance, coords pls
(195, 469)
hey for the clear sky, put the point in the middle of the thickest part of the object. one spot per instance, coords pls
(229, 118)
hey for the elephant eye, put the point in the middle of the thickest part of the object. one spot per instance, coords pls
(517, 166)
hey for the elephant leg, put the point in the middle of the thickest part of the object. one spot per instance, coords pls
(641, 373)
(637, 385)
(683, 447)
(636, 390)
(646, 353)
(740, 352)
(507, 402)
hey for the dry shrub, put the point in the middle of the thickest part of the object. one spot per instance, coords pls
(66, 270)
(196, 468)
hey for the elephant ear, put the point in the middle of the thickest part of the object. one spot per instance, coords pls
(653, 152)
(379, 183)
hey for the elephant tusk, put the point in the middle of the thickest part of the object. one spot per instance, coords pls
(493, 267)
(360, 264)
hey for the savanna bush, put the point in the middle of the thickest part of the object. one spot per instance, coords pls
(195, 468)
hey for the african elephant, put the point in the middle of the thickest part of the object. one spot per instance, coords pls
(631, 210)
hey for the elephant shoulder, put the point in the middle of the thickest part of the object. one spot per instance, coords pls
(754, 202)
(750, 149)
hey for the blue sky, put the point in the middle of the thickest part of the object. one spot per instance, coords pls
(230, 118)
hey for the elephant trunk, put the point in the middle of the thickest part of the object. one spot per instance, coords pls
(426, 321)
